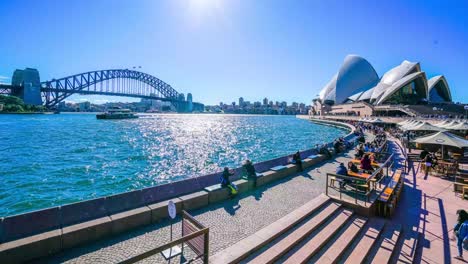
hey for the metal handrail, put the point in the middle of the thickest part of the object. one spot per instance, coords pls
(204, 231)
(387, 164)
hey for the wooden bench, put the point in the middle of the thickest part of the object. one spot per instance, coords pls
(389, 196)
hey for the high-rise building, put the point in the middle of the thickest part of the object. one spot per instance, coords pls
(189, 103)
(241, 102)
(265, 101)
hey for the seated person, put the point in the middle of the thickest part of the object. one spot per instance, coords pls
(226, 183)
(225, 177)
(359, 152)
(366, 163)
(352, 167)
(324, 150)
(298, 161)
(341, 170)
(250, 171)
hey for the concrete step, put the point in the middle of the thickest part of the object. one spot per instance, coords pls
(288, 242)
(406, 247)
(308, 250)
(252, 243)
(335, 248)
(386, 245)
(361, 246)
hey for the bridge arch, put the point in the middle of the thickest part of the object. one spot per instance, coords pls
(117, 82)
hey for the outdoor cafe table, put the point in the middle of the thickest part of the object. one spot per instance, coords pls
(358, 162)
(360, 177)
(444, 166)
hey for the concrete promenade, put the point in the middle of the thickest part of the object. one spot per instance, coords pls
(428, 205)
(229, 221)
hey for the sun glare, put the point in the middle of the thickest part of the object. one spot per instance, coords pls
(201, 7)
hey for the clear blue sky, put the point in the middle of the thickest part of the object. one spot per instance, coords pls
(223, 49)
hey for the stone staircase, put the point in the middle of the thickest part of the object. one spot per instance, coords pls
(324, 231)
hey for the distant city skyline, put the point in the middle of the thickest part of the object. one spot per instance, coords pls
(220, 50)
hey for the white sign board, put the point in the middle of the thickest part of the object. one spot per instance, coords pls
(172, 209)
(466, 107)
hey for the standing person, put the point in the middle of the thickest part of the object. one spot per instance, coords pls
(461, 233)
(427, 164)
(250, 170)
(297, 159)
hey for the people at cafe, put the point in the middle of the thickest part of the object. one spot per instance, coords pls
(342, 170)
(359, 151)
(250, 171)
(352, 167)
(298, 161)
(461, 233)
(366, 164)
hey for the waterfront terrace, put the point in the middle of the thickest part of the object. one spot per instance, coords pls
(287, 218)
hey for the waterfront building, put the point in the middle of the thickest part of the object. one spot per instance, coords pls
(241, 102)
(265, 101)
(357, 84)
(189, 102)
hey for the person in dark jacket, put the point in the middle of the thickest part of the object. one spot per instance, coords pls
(352, 167)
(250, 170)
(225, 177)
(461, 232)
(298, 161)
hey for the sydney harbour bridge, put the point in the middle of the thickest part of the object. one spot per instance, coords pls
(26, 84)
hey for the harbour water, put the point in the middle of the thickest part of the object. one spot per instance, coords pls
(49, 160)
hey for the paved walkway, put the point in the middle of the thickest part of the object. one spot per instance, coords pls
(428, 205)
(229, 221)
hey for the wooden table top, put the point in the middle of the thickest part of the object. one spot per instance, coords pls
(374, 164)
(359, 175)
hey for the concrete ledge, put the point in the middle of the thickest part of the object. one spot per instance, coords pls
(86, 232)
(217, 193)
(32, 247)
(282, 171)
(291, 169)
(131, 219)
(159, 210)
(242, 185)
(266, 177)
(195, 200)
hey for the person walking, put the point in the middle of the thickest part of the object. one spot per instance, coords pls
(461, 233)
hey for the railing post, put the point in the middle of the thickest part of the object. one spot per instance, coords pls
(326, 186)
(206, 252)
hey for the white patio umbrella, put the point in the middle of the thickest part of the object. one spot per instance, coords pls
(402, 123)
(443, 138)
(424, 126)
(450, 124)
(460, 126)
(443, 123)
(411, 124)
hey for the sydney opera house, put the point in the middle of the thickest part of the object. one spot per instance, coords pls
(357, 83)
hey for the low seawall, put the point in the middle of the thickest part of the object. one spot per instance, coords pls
(115, 209)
